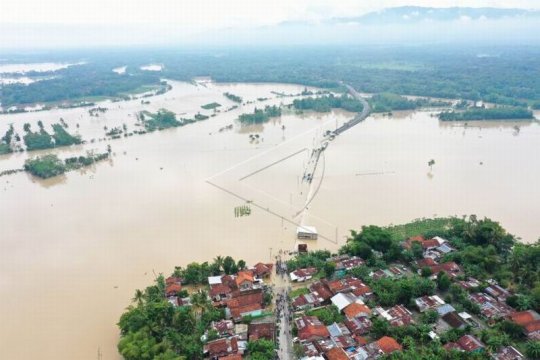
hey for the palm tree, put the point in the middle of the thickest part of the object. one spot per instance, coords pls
(430, 164)
(139, 297)
(533, 350)
(218, 261)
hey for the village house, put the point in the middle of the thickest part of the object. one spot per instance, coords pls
(224, 328)
(454, 320)
(307, 301)
(342, 300)
(322, 290)
(392, 272)
(336, 354)
(530, 320)
(508, 353)
(244, 280)
(348, 263)
(360, 325)
(398, 315)
(356, 310)
(467, 343)
(262, 271)
(244, 303)
(220, 348)
(349, 284)
(470, 283)
(265, 330)
(500, 294)
(302, 275)
(425, 303)
(490, 308)
(450, 268)
(310, 328)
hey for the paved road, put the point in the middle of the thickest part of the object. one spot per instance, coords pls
(283, 314)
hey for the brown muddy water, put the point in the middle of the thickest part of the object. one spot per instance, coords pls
(75, 248)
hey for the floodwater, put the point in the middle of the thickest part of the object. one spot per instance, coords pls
(75, 248)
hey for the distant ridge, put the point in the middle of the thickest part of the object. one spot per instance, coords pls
(415, 14)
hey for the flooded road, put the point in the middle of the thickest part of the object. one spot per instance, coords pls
(75, 248)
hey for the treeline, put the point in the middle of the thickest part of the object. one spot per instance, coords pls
(453, 72)
(77, 82)
(326, 103)
(260, 116)
(232, 97)
(386, 102)
(497, 113)
(198, 273)
(41, 139)
(48, 166)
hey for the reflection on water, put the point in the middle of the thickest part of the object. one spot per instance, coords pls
(73, 255)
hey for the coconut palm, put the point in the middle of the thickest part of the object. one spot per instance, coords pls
(138, 297)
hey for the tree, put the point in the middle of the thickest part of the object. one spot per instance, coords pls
(229, 265)
(532, 349)
(430, 164)
(429, 317)
(261, 349)
(443, 281)
(426, 271)
(218, 261)
(138, 297)
(329, 268)
(417, 250)
(241, 264)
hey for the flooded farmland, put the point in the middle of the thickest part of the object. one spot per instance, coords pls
(75, 247)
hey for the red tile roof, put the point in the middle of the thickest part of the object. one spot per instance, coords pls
(222, 347)
(388, 344)
(336, 354)
(469, 343)
(261, 331)
(355, 309)
(261, 269)
(532, 326)
(219, 289)
(322, 290)
(236, 312)
(244, 276)
(172, 289)
(311, 328)
(524, 317)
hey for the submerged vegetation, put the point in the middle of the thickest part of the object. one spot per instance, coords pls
(326, 103)
(260, 116)
(232, 97)
(497, 113)
(50, 165)
(163, 119)
(387, 102)
(43, 140)
(211, 106)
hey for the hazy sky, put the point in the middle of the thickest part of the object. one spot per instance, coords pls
(204, 14)
(43, 23)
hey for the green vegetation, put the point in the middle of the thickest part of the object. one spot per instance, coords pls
(498, 113)
(297, 292)
(75, 83)
(152, 328)
(37, 140)
(196, 273)
(48, 166)
(232, 97)
(5, 141)
(163, 119)
(200, 117)
(260, 116)
(328, 315)
(45, 166)
(261, 349)
(63, 138)
(387, 102)
(211, 106)
(326, 103)
(43, 140)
